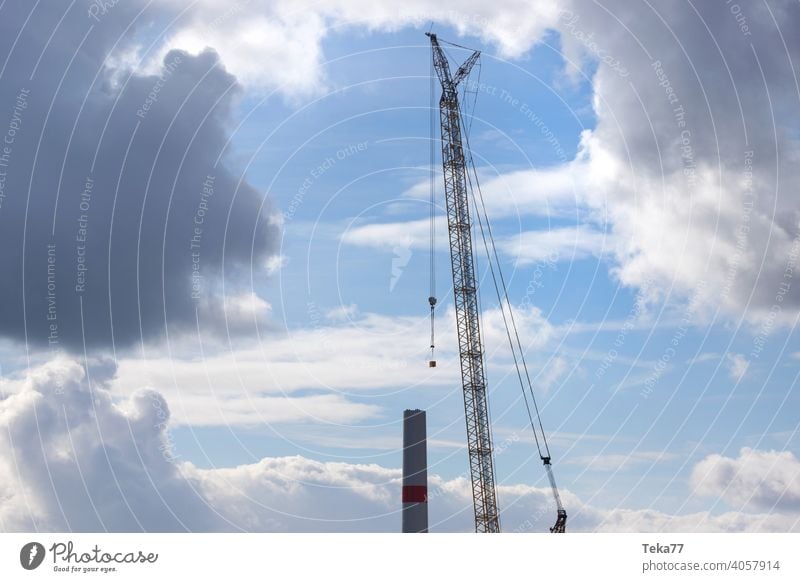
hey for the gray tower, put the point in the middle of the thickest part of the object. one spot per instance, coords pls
(415, 472)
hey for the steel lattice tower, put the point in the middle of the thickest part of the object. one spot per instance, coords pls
(465, 293)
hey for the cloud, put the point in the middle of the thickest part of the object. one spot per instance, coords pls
(704, 210)
(298, 494)
(231, 314)
(344, 354)
(553, 371)
(688, 157)
(343, 312)
(559, 244)
(704, 357)
(571, 243)
(614, 462)
(648, 520)
(257, 410)
(234, 390)
(558, 191)
(277, 31)
(754, 481)
(73, 460)
(551, 192)
(737, 366)
(691, 162)
(293, 32)
(397, 237)
(121, 216)
(367, 353)
(695, 204)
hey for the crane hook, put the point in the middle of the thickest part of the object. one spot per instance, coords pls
(432, 302)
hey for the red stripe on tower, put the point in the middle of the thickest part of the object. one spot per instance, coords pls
(415, 494)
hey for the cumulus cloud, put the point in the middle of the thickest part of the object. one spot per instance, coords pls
(315, 496)
(119, 208)
(755, 480)
(73, 459)
(689, 157)
(293, 32)
(648, 520)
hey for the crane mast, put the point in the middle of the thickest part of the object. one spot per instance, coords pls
(465, 293)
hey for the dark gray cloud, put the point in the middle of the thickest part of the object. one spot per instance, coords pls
(116, 191)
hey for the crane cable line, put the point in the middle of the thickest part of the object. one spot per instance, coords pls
(432, 255)
(561, 520)
(503, 298)
(492, 257)
(482, 214)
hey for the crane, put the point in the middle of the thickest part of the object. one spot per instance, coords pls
(465, 295)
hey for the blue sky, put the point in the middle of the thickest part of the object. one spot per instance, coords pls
(649, 257)
(379, 97)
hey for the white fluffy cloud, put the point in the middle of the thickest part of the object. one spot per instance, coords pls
(689, 156)
(755, 480)
(283, 31)
(72, 459)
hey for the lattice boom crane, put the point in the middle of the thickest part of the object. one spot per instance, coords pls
(465, 294)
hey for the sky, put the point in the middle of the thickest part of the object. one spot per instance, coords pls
(214, 246)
